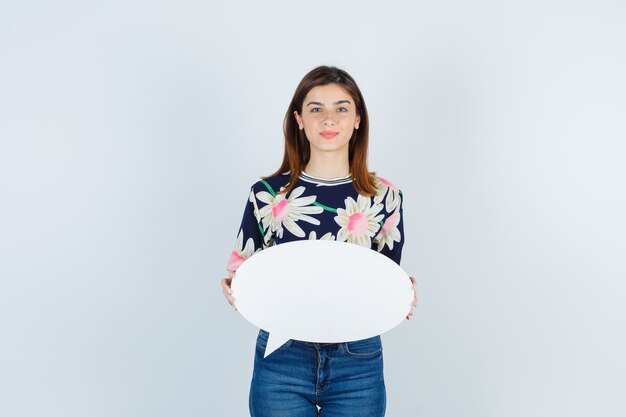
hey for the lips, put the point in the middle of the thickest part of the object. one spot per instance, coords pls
(328, 134)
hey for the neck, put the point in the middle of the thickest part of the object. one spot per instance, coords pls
(328, 165)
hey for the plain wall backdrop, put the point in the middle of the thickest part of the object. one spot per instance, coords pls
(131, 131)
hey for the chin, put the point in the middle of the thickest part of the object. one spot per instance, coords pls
(330, 147)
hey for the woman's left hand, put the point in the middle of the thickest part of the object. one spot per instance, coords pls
(414, 298)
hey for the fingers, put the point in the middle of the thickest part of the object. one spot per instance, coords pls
(414, 291)
(228, 292)
(414, 304)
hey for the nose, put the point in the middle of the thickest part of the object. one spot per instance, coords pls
(329, 120)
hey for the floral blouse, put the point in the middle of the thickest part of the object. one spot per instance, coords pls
(319, 208)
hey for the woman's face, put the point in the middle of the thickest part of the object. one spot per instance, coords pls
(328, 118)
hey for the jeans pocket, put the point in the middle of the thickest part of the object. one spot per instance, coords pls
(364, 348)
(261, 341)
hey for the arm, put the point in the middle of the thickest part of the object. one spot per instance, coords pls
(390, 239)
(249, 241)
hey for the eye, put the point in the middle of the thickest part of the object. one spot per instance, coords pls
(342, 108)
(315, 110)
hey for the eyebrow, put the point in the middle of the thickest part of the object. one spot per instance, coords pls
(336, 102)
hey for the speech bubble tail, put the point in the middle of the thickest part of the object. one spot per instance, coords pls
(274, 341)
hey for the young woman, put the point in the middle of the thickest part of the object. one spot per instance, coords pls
(322, 190)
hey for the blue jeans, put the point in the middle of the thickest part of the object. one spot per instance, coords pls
(344, 379)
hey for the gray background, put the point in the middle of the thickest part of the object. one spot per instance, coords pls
(131, 131)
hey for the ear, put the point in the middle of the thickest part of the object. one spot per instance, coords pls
(358, 120)
(298, 119)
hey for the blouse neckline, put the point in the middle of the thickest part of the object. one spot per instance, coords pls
(326, 181)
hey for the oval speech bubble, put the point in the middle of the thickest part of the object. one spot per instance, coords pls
(321, 291)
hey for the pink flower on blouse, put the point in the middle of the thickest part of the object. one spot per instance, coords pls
(389, 233)
(358, 221)
(393, 194)
(241, 253)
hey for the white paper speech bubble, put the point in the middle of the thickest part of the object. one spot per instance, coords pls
(321, 291)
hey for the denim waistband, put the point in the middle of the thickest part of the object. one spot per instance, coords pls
(265, 334)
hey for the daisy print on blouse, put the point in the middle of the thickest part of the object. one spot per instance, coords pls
(241, 253)
(327, 236)
(393, 194)
(284, 212)
(359, 221)
(389, 233)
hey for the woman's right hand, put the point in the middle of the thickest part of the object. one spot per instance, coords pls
(228, 292)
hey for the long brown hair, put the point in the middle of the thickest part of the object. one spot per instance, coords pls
(297, 148)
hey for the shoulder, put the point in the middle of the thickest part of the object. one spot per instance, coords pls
(383, 185)
(270, 184)
(388, 193)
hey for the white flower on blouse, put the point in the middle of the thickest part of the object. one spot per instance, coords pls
(389, 233)
(393, 194)
(241, 253)
(284, 212)
(358, 221)
(267, 237)
(327, 236)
